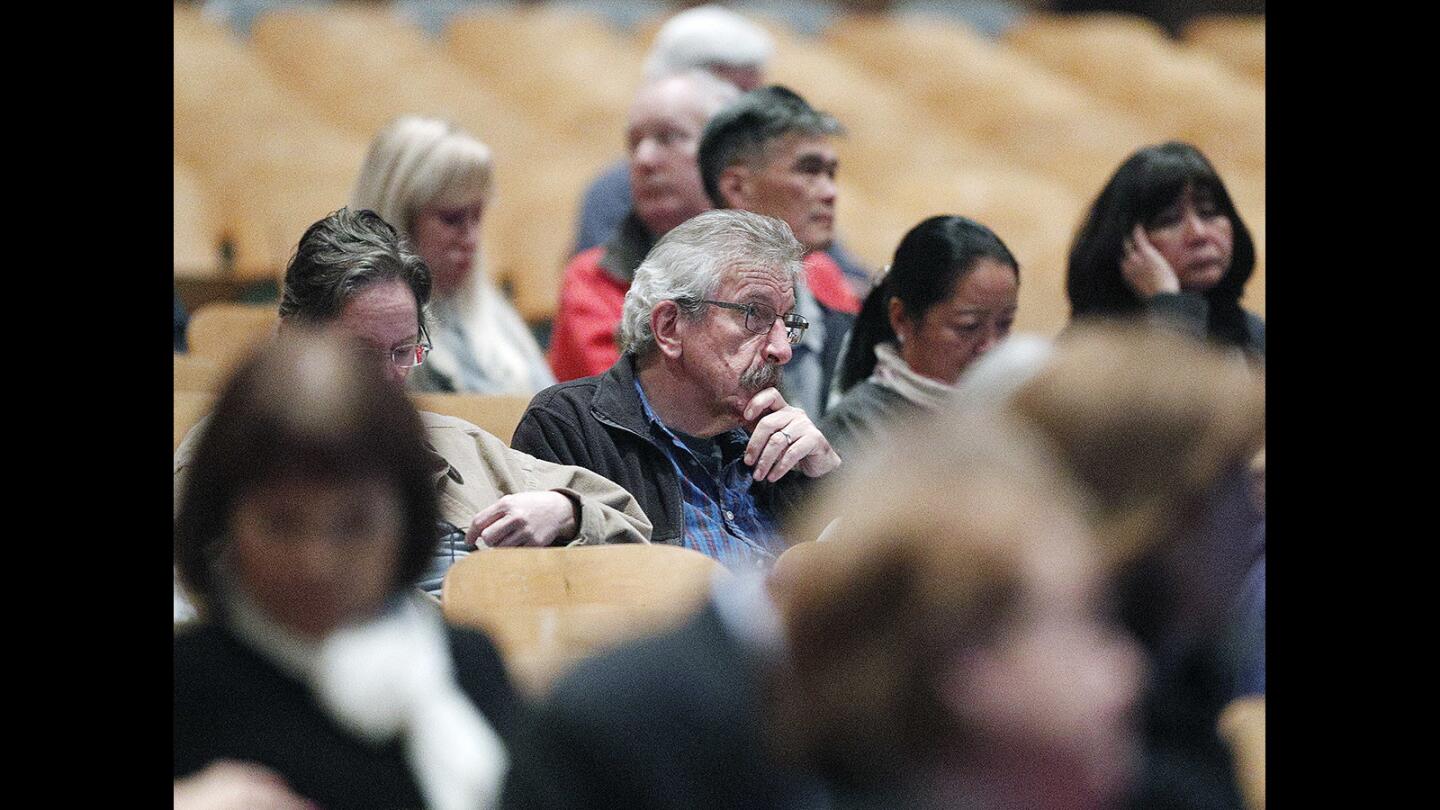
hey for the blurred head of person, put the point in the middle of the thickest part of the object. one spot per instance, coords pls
(770, 152)
(1178, 198)
(715, 39)
(432, 181)
(662, 136)
(949, 296)
(955, 613)
(310, 493)
(1160, 430)
(354, 270)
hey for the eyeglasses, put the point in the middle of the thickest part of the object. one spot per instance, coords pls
(412, 354)
(760, 319)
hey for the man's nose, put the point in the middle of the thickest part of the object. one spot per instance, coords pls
(829, 189)
(646, 153)
(777, 344)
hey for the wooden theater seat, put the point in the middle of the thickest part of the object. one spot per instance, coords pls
(190, 407)
(497, 414)
(224, 331)
(201, 374)
(547, 608)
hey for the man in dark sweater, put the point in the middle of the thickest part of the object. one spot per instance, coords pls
(689, 420)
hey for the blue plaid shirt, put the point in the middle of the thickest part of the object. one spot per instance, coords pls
(722, 519)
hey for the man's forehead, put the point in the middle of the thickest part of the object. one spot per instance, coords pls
(669, 102)
(800, 144)
(759, 280)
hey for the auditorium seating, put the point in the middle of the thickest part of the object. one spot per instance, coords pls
(1237, 40)
(193, 373)
(548, 607)
(190, 407)
(270, 132)
(1242, 725)
(497, 414)
(224, 331)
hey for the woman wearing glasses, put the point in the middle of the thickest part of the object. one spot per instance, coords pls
(433, 182)
(949, 296)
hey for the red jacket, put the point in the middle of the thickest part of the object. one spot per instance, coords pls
(582, 339)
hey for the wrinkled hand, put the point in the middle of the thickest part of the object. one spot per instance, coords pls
(1145, 271)
(783, 439)
(524, 519)
(228, 785)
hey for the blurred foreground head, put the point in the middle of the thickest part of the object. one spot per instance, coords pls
(310, 491)
(953, 613)
(1148, 420)
(1160, 431)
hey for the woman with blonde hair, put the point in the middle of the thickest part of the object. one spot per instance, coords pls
(433, 182)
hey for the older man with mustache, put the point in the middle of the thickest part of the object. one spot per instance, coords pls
(689, 420)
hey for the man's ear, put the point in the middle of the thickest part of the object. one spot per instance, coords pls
(665, 322)
(734, 185)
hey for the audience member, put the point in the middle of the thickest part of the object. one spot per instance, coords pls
(945, 649)
(769, 152)
(1160, 431)
(947, 298)
(307, 515)
(354, 270)
(733, 49)
(711, 38)
(689, 419)
(1164, 237)
(663, 132)
(433, 182)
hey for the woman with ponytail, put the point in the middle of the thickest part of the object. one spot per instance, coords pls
(949, 296)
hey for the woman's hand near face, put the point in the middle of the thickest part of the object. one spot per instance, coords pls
(524, 519)
(785, 439)
(1144, 269)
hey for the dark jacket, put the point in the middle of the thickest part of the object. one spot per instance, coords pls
(232, 703)
(664, 723)
(598, 423)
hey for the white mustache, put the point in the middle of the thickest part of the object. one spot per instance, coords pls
(758, 379)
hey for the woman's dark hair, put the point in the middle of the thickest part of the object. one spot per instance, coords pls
(342, 254)
(932, 258)
(312, 407)
(1146, 183)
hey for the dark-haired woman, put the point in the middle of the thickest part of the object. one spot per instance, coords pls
(1164, 238)
(949, 296)
(307, 517)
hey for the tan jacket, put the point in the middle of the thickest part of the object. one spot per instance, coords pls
(478, 469)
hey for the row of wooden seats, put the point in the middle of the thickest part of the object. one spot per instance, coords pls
(939, 119)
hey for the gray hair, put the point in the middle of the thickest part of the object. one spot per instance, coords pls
(417, 161)
(707, 35)
(742, 132)
(689, 263)
(342, 254)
